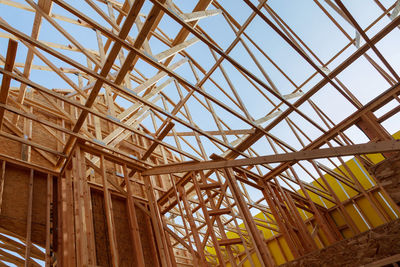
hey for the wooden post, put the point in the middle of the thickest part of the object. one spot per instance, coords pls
(85, 207)
(193, 226)
(29, 221)
(208, 221)
(332, 238)
(109, 215)
(80, 238)
(49, 207)
(283, 227)
(166, 258)
(133, 224)
(69, 236)
(261, 247)
(2, 177)
(60, 228)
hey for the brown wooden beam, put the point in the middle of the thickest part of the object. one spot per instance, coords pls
(368, 148)
(5, 83)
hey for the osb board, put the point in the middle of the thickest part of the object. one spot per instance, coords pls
(9, 147)
(123, 236)
(14, 210)
(122, 231)
(370, 246)
(103, 256)
(388, 174)
(146, 238)
(39, 135)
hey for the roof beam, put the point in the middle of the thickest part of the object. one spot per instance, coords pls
(368, 148)
(5, 83)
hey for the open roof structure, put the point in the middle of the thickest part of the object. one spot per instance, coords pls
(239, 98)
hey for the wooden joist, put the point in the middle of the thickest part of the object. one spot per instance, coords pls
(209, 186)
(230, 241)
(5, 83)
(368, 148)
(219, 212)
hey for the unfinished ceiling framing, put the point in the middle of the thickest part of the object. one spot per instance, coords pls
(193, 133)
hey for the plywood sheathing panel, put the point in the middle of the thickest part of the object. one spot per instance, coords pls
(370, 246)
(103, 255)
(388, 174)
(9, 147)
(15, 203)
(146, 238)
(124, 241)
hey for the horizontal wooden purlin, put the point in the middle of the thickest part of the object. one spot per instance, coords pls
(368, 148)
(209, 186)
(389, 114)
(219, 212)
(228, 242)
(227, 132)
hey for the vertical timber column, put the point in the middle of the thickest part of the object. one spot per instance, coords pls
(349, 221)
(292, 216)
(332, 238)
(29, 222)
(3, 171)
(193, 226)
(80, 238)
(260, 245)
(209, 223)
(109, 215)
(292, 240)
(85, 206)
(133, 224)
(66, 252)
(49, 209)
(165, 254)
